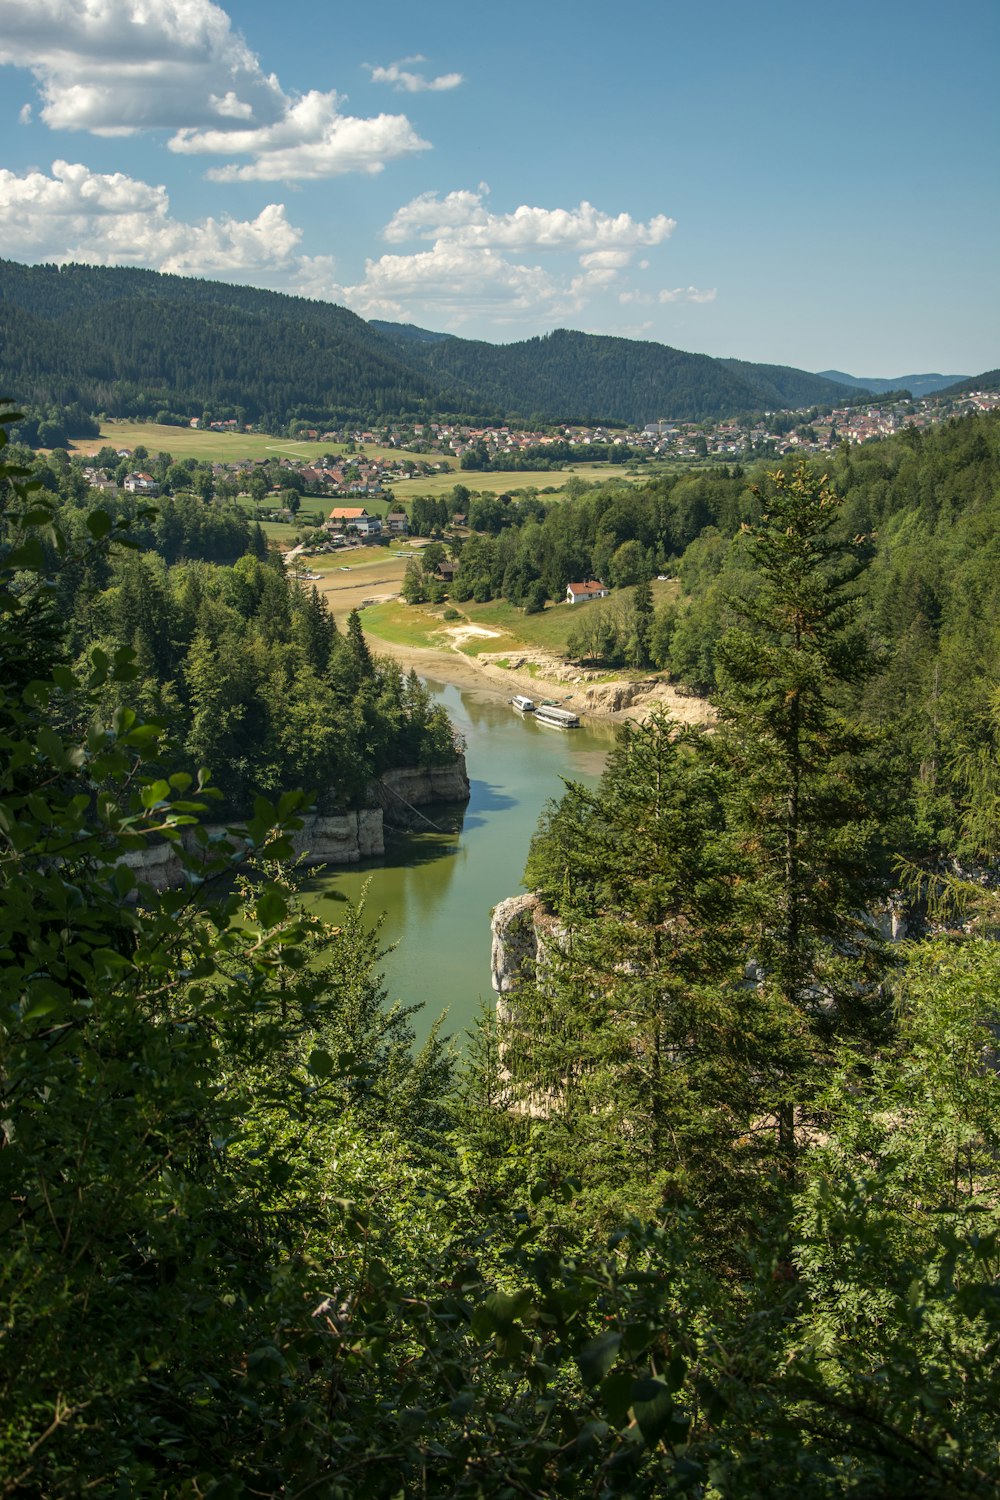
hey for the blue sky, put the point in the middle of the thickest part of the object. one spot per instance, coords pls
(766, 182)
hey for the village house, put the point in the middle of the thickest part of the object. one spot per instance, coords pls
(579, 593)
(354, 518)
(398, 523)
(98, 480)
(139, 483)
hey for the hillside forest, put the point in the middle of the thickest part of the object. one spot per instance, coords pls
(708, 1208)
(130, 342)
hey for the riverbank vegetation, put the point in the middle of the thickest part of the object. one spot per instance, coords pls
(925, 507)
(713, 1213)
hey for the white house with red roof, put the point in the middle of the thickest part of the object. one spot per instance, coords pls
(579, 593)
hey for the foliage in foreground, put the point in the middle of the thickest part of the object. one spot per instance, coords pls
(245, 1251)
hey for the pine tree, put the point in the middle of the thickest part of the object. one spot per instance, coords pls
(803, 789)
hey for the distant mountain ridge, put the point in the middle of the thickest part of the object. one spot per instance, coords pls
(131, 342)
(917, 385)
(407, 331)
(588, 377)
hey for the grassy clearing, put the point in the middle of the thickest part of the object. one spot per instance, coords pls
(230, 447)
(550, 484)
(392, 455)
(512, 632)
(403, 624)
(547, 631)
(207, 447)
(282, 532)
(351, 558)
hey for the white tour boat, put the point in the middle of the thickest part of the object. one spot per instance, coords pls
(557, 718)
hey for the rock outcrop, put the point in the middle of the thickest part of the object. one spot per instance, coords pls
(516, 941)
(420, 785)
(342, 839)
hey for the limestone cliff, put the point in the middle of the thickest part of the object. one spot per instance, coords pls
(516, 941)
(342, 839)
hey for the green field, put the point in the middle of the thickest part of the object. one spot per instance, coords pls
(405, 624)
(209, 447)
(415, 625)
(349, 558)
(550, 484)
(232, 447)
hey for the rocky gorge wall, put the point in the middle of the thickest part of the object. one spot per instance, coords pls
(341, 839)
(523, 931)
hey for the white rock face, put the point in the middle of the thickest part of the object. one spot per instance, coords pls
(343, 839)
(340, 840)
(515, 951)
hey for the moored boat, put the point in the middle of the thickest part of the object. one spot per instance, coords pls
(557, 718)
(522, 704)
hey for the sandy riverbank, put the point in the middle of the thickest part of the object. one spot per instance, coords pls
(592, 695)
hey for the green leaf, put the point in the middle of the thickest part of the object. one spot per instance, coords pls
(272, 907)
(655, 1411)
(99, 523)
(596, 1358)
(320, 1063)
(616, 1395)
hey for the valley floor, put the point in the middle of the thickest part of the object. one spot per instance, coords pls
(489, 656)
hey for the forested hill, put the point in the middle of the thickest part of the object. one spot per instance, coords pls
(988, 381)
(586, 377)
(132, 343)
(128, 342)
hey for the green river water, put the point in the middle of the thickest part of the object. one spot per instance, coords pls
(437, 889)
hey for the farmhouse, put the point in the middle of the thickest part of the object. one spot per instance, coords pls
(398, 523)
(578, 593)
(354, 518)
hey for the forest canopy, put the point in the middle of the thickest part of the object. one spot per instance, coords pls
(713, 1213)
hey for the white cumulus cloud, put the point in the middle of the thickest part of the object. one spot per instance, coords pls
(112, 219)
(687, 294)
(312, 140)
(463, 218)
(115, 67)
(404, 80)
(485, 264)
(452, 283)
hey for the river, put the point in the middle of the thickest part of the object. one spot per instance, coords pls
(437, 889)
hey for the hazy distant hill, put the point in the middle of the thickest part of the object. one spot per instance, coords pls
(133, 342)
(917, 385)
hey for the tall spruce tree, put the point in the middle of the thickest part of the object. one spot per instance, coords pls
(630, 1037)
(803, 789)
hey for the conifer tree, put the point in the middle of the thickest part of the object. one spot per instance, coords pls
(803, 793)
(630, 1038)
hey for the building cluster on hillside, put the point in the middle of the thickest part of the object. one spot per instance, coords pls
(770, 433)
